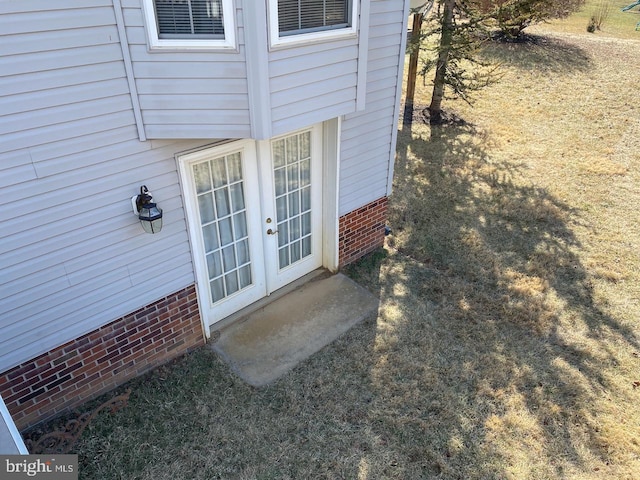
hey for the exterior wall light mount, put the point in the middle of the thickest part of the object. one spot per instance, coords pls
(148, 213)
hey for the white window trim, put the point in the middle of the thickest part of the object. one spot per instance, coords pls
(276, 40)
(226, 43)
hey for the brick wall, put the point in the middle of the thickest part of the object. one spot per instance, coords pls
(129, 346)
(362, 231)
(103, 359)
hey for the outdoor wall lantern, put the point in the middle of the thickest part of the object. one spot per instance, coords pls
(148, 213)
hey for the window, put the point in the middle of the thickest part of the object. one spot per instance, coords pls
(189, 18)
(300, 16)
(190, 23)
(307, 20)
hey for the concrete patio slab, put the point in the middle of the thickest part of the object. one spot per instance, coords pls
(273, 339)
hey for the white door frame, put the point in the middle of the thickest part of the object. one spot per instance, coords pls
(276, 277)
(252, 197)
(330, 136)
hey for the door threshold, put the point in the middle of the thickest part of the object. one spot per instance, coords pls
(220, 325)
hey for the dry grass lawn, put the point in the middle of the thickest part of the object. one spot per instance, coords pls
(507, 343)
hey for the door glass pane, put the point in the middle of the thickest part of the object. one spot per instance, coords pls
(294, 204)
(280, 178)
(281, 207)
(305, 145)
(244, 275)
(219, 172)
(305, 197)
(231, 282)
(202, 177)
(205, 205)
(219, 186)
(295, 251)
(217, 289)
(210, 234)
(306, 224)
(240, 225)
(292, 176)
(306, 246)
(214, 264)
(226, 231)
(237, 197)
(243, 252)
(305, 170)
(229, 258)
(283, 257)
(235, 167)
(293, 197)
(278, 153)
(294, 229)
(292, 148)
(283, 233)
(222, 202)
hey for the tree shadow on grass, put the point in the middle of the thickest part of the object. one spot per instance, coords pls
(542, 53)
(486, 361)
(494, 347)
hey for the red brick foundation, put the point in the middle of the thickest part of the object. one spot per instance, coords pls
(103, 359)
(362, 231)
(97, 362)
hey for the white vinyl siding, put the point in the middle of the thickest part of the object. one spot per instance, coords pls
(189, 93)
(198, 94)
(367, 148)
(72, 255)
(70, 160)
(312, 83)
(190, 24)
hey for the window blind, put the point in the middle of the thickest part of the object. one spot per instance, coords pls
(299, 16)
(189, 18)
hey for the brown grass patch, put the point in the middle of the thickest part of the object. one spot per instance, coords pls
(525, 208)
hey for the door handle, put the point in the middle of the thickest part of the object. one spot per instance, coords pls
(271, 232)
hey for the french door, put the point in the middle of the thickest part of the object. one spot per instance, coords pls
(255, 217)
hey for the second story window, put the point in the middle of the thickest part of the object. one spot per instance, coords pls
(297, 21)
(304, 16)
(190, 24)
(189, 18)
